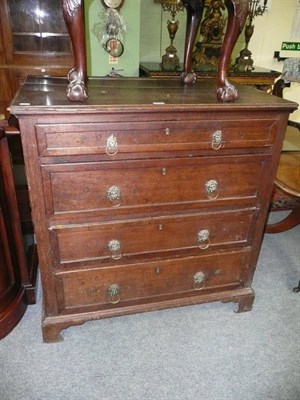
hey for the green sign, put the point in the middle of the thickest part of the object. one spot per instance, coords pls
(292, 46)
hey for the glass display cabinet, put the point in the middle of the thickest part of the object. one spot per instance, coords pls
(33, 41)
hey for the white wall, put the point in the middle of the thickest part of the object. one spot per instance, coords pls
(154, 32)
(270, 31)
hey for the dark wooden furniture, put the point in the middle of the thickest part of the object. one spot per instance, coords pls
(150, 194)
(259, 77)
(287, 181)
(73, 12)
(18, 262)
(33, 41)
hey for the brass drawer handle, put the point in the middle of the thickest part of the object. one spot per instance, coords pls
(203, 239)
(115, 249)
(114, 195)
(199, 280)
(211, 188)
(114, 293)
(216, 143)
(111, 145)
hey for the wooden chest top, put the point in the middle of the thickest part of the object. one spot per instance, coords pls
(48, 95)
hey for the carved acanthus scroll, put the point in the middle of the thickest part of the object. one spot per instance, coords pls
(71, 6)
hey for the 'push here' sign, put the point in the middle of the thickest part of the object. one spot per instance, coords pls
(291, 46)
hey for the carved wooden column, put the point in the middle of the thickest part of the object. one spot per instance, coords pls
(73, 12)
(237, 14)
(194, 11)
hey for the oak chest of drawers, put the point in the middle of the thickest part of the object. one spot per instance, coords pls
(147, 196)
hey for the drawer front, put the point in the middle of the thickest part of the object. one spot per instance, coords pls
(113, 139)
(126, 241)
(133, 186)
(124, 285)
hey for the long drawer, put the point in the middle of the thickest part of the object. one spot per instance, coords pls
(118, 286)
(127, 241)
(75, 190)
(114, 138)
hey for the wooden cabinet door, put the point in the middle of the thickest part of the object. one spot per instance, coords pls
(15, 280)
(36, 43)
(12, 292)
